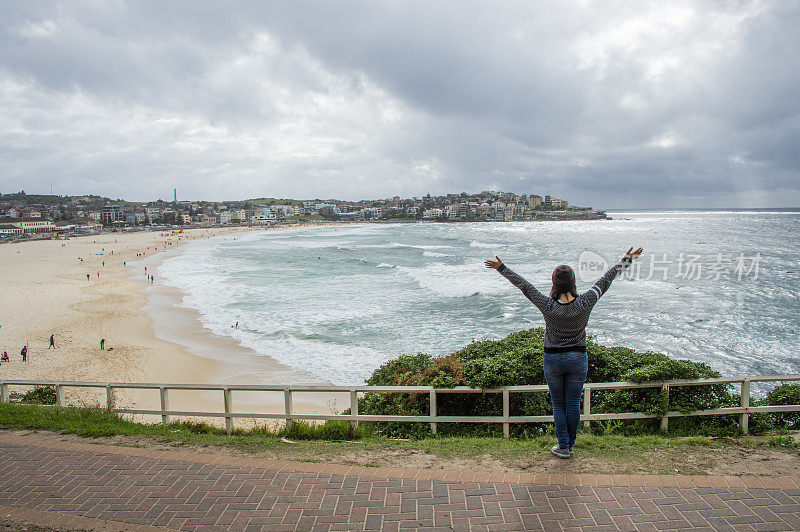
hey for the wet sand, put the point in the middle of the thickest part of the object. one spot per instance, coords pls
(148, 336)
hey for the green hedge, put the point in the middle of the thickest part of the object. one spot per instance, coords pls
(785, 394)
(517, 360)
(43, 395)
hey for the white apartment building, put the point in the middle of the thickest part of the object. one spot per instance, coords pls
(259, 217)
(372, 213)
(281, 211)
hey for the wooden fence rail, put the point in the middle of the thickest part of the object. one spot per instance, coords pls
(743, 410)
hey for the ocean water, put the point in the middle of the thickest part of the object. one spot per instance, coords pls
(717, 287)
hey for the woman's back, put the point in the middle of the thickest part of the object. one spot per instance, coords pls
(565, 323)
(565, 362)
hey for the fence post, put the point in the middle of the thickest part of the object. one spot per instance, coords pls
(59, 395)
(164, 405)
(665, 419)
(744, 417)
(506, 413)
(587, 405)
(287, 405)
(109, 398)
(3, 393)
(354, 408)
(433, 410)
(226, 393)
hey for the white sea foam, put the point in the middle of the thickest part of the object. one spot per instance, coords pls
(488, 245)
(339, 364)
(399, 245)
(337, 302)
(318, 244)
(456, 281)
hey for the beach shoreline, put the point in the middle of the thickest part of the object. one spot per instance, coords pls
(45, 290)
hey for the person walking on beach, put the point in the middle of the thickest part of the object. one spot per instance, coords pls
(565, 360)
(102, 344)
(24, 353)
(52, 342)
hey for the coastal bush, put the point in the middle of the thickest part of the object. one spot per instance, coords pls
(784, 394)
(406, 370)
(331, 430)
(684, 399)
(197, 427)
(42, 395)
(517, 360)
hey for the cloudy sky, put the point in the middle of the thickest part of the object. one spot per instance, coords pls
(604, 103)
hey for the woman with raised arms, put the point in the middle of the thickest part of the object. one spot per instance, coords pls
(565, 361)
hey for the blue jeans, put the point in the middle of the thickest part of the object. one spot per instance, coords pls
(565, 374)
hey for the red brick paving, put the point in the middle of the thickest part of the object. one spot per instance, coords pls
(80, 486)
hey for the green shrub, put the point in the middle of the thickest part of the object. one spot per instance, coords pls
(681, 398)
(42, 395)
(517, 360)
(784, 394)
(786, 442)
(330, 430)
(198, 427)
(401, 371)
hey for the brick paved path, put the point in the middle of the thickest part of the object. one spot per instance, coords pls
(71, 486)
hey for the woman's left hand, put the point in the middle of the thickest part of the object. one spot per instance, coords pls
(494, 264)
(632, 255)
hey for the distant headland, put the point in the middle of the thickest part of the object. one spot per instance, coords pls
(23, 215)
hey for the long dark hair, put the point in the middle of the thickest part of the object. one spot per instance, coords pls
(555, 293)
(563, 282)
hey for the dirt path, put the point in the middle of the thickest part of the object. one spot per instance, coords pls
(730, 458)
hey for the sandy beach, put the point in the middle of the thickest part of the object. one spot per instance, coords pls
(44, 290)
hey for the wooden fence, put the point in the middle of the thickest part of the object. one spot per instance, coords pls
(743, 410)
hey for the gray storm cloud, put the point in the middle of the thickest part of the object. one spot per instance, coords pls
(609, 104)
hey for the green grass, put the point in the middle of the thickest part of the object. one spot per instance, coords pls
(323, 442)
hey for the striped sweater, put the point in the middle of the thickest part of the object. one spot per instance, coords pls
(565, 323)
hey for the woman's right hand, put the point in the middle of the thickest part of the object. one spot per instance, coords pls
(493, 264)
(633, 255)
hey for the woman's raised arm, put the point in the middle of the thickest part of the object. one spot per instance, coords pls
(599, 288)
(530, 291)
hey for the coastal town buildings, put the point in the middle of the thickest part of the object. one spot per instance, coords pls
(24, 215)
(111, 213)
(25, 225)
